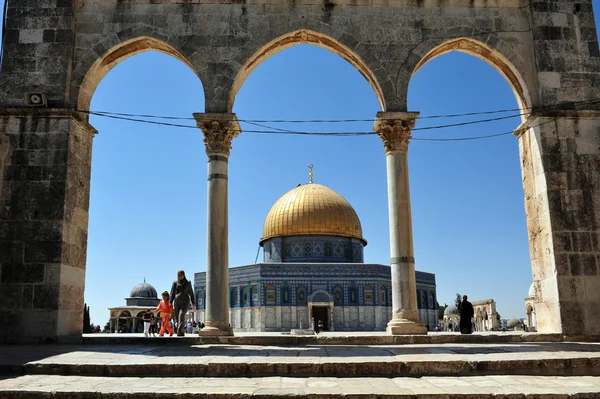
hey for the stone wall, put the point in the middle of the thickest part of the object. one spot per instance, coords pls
(43, 228)
(547, 50)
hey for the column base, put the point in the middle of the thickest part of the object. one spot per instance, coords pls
(406, 327)
(216, 330)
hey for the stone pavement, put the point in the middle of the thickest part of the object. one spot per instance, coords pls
(496, 387)
(557, 359)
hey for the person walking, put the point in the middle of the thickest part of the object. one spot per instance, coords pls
(466, 313)
(182, 294)
(166, 309)
(147, 318)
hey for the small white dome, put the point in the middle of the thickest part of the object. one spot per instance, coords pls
(531, 290)
(452, 309)
(514, 322)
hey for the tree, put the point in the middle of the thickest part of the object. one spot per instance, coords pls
(107, 326)
(458, 300)
(87, 328)
(441, 311)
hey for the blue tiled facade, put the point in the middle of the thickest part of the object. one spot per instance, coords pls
(290, 284)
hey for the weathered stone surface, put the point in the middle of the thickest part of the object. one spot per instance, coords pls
(63, 48)
(491, 387)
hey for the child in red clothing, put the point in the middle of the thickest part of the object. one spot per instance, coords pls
(165, 308)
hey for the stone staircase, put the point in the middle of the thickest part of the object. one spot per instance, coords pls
(267, 368)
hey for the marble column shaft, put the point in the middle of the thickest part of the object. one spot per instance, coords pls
(219, 131)
(394, 129)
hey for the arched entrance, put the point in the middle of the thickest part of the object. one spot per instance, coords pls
(320, 309)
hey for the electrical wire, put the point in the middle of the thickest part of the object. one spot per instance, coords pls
(257, 121)
(342, 134)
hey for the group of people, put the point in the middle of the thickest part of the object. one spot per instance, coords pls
(174, 305)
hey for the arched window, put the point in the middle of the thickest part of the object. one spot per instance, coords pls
(270, 295)
(233, 297)
(255, 300)
(199, 299)
(422, 304)
(338, 296)
(245, 296)
(285, 295)
(368, 294)
(301, 295)
(382, 296)
(352, 295)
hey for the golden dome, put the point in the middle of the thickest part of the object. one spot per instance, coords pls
(312, 209)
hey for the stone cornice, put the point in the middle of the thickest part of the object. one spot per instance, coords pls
(50, 113)
(394, 129)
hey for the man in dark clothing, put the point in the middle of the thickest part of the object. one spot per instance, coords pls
(182, 294)
(466, 313)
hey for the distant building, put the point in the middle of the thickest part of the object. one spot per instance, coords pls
(530, 309)
(128, 318)
(313, 271)
(485, 317)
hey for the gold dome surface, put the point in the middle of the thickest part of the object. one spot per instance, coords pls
(312, 209)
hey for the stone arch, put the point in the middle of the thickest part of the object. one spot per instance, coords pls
(115, 55)
(429, 50)
(304, 36)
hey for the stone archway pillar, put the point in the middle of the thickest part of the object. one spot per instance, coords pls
(219, 130)
(394, 129)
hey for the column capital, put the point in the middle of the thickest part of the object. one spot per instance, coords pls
(219, 131)
(394, 129)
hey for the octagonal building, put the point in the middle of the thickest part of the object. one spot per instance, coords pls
(313, 269)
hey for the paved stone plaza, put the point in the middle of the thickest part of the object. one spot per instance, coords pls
(496, 387)
(512, 370)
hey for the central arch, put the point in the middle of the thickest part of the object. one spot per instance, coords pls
(304, 36)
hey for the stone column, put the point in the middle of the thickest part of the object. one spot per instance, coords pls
(219, 131)
(394, 129)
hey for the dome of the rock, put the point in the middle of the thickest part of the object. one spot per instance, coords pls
(312, 209)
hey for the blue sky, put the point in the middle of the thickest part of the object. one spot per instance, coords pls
(148, 192)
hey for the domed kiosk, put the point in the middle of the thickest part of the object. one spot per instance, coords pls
(530, 309)
(128, 318)
(313, 271)
(451, 318)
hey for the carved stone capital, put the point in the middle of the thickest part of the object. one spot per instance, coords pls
(394, 129)
(219, 131)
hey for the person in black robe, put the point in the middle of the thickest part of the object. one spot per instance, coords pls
(466, 313)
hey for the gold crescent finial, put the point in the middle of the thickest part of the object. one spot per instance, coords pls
(310, 173)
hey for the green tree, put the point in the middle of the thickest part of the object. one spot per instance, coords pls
(441, 311)
(87, 328)
(458, 300)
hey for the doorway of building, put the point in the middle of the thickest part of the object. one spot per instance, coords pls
(321, 313)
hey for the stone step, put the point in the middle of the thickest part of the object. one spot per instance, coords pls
(331, 338)
(552, 359)
(492, 387)
(539, 367)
